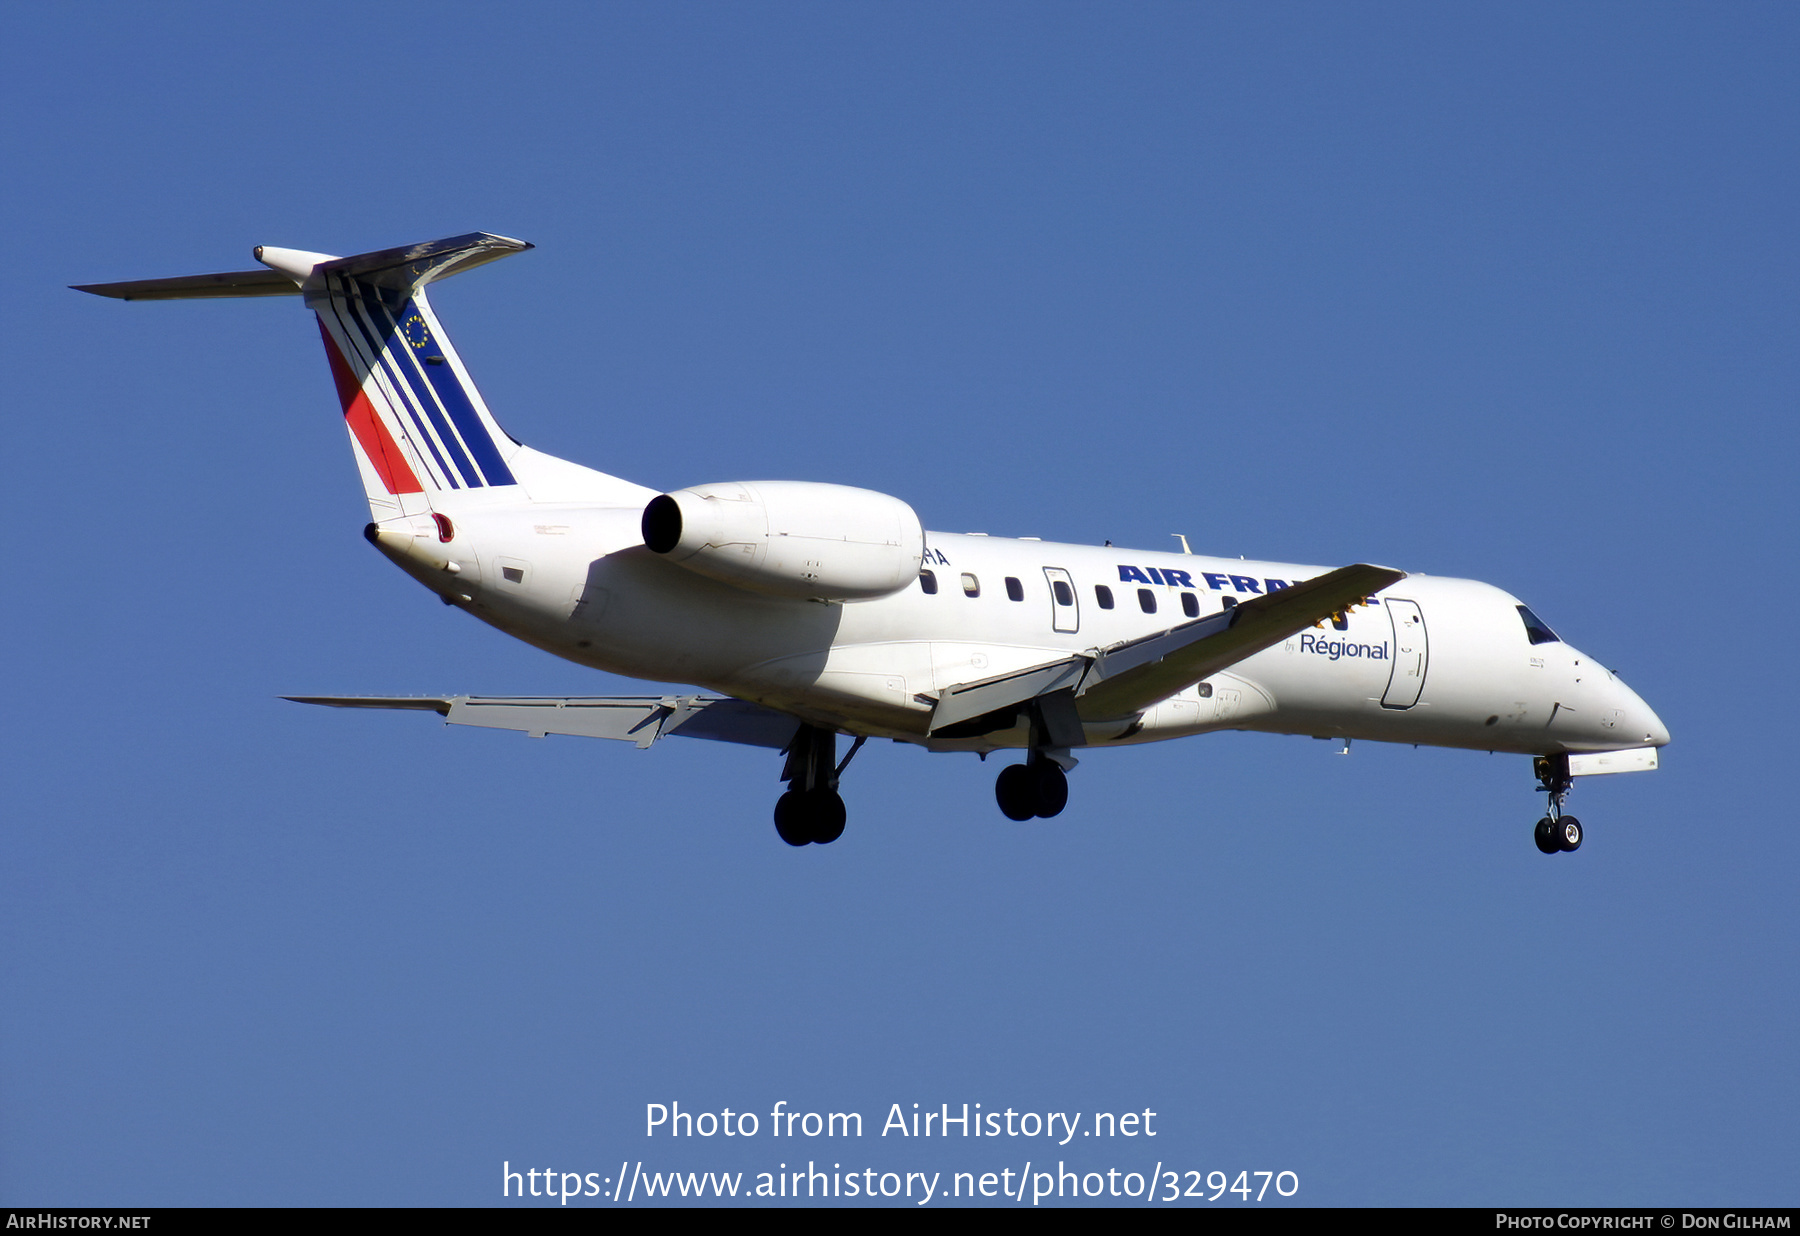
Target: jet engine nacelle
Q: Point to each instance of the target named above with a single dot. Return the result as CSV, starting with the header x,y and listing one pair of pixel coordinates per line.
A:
x,y
790,538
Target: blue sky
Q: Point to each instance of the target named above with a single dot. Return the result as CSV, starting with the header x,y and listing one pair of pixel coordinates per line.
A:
x,y
1502,291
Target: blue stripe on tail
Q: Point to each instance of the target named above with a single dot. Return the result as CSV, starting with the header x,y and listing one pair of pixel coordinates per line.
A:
x,y
403,372
360,313
396,340
417,336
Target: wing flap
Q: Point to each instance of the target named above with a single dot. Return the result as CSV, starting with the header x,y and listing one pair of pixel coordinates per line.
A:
x,y
974,699
639,720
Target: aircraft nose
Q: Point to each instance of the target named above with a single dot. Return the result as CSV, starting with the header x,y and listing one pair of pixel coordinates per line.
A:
x,y
1641,718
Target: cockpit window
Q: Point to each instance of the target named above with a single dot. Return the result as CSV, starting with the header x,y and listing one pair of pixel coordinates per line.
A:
x,y
1535,628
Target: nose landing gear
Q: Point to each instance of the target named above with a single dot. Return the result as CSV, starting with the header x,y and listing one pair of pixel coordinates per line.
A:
x,y
1556,833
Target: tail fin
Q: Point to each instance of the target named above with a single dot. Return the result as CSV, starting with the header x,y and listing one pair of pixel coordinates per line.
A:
x,y
422,435
419,425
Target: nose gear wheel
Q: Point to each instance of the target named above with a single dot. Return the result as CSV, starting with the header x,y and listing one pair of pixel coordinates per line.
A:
x,y
1545,836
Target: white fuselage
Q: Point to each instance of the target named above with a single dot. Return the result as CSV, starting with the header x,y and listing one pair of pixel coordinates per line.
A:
x,y
1445,662
833,605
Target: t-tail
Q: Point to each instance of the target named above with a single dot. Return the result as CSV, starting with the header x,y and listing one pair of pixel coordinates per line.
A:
x,y
423,437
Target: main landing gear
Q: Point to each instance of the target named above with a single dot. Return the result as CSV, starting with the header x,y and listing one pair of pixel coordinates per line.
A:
x,y
1037,788
1040,786
812,811
1556,832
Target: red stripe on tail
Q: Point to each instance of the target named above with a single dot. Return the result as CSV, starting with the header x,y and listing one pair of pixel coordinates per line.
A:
x,y
370,433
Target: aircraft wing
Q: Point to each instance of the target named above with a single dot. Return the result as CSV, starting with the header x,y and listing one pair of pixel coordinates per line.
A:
x,y
1128,677
633,718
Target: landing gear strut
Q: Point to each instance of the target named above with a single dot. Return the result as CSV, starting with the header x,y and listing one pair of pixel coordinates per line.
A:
x,y
1556,832
812,811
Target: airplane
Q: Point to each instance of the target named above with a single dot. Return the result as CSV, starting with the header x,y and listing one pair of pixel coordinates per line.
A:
x,y
804,611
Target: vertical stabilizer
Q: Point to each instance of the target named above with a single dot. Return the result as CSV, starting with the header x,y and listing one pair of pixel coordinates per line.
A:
x,y
423,437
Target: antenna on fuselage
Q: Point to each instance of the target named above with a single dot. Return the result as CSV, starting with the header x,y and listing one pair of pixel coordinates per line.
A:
x,y
1184,544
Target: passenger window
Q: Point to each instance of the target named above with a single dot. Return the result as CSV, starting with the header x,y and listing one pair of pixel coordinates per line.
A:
x,y
1190,605
1065,595
1015,591
1103,596
1340,621
1146,600
971,585
928,583
1535,629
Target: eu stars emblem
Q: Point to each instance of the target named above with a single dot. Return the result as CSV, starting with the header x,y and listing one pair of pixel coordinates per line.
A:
x,y
415,331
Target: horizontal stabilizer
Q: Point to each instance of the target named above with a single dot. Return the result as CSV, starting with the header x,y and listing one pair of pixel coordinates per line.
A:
x,y
632,718
413,266
405,269
198,287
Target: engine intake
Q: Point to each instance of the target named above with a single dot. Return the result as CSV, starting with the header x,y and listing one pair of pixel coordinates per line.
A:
x,y
794,539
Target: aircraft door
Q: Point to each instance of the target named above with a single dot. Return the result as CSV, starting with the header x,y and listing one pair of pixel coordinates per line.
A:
x,y
1411,654
1065,610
